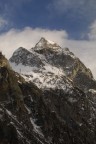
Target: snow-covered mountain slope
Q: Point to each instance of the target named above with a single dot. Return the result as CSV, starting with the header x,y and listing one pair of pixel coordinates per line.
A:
x,y
48,65
61,113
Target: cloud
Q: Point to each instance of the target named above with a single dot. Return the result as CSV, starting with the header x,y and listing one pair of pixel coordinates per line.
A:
x,y
92,31
3,23
85,50
11,7
75,8
64,5
28,37
10,10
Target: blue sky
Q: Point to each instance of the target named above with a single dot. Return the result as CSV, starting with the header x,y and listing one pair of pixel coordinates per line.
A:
x,y
71,15
70,23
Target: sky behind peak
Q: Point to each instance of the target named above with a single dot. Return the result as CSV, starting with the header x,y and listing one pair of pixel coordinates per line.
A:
x,y
71,15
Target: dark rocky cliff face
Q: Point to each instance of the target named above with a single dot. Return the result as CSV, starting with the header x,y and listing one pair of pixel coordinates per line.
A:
x,y
29,115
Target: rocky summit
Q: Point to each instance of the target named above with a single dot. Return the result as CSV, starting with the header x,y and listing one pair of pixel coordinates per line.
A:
x,y
48,66
47,96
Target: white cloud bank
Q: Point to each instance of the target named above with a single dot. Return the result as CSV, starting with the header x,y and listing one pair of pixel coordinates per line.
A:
x,y
28,37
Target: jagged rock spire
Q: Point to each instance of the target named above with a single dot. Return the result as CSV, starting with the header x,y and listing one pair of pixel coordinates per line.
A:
x,y
46,44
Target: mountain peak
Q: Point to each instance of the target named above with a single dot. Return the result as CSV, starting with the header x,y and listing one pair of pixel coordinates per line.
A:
x,y
43,43
43,40
19,49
